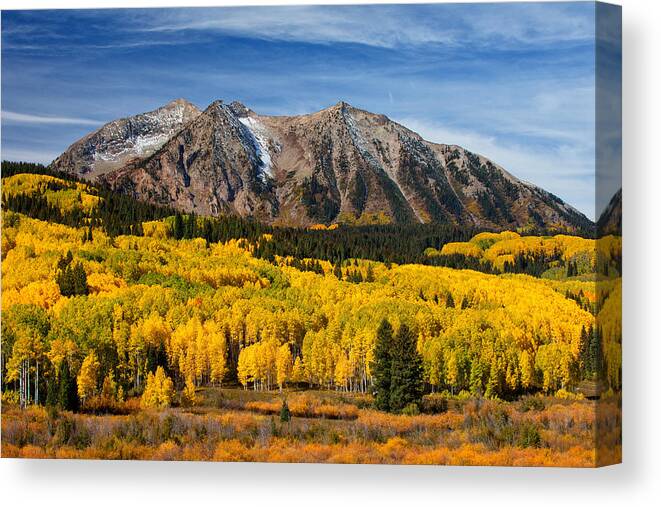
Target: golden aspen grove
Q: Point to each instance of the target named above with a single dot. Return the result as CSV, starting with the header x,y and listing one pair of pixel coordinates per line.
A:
x,y
154,342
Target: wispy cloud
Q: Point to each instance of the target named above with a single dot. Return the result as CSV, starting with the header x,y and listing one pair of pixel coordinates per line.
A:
x,y
385,26
11,116
77,48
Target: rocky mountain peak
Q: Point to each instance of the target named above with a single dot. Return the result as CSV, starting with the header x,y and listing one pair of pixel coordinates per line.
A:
x,y
341,164
120,141
180,102
240,109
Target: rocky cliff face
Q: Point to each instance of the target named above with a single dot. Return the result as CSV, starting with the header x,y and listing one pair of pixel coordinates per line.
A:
x,y
341,164
120,141
212,166
610,221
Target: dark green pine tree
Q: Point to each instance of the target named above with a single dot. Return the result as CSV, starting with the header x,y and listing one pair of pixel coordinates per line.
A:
x,y
68,392
64,281
79,280
583,353
208,232
178,227
191,226
136,229
370,274
53,391
381,367
596,355
337,271
65,261
449,300
406,385
285,413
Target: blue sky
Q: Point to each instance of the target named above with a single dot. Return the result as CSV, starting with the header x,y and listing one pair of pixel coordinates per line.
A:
x,y
514,82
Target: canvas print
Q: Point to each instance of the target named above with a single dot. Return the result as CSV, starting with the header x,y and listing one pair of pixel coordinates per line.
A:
x,y
382,234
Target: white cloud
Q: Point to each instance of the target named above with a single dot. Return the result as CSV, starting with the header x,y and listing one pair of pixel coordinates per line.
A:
x,y
13,117
387,25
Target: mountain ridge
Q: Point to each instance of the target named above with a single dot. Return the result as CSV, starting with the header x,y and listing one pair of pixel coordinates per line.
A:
x,y
339,164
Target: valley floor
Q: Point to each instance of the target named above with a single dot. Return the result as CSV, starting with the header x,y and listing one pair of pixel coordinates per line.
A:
x,y
326,427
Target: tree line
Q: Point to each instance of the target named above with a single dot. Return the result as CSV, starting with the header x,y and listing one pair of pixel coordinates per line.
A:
x,y
207,314
118,214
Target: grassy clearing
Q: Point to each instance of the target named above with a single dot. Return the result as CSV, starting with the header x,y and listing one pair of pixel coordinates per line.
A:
x,y
327,427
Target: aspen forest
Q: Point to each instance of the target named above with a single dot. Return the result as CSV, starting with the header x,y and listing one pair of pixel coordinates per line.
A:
x,y
131,331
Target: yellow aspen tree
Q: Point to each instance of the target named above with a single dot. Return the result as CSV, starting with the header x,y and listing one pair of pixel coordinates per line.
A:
x,y
527,370
159,390
452,374
188,395
217,351
342,372
246,366
109,388
88,376
298,371
283,364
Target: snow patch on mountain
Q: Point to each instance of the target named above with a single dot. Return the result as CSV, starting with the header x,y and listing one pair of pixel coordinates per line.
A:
x,y
140,135
259,137
136,147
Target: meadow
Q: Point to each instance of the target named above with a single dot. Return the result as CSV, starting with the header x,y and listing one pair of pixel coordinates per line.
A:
x,y
325,427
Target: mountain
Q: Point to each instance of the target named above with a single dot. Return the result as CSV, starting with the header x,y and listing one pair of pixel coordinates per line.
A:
x,y
119,141
341,164
610,221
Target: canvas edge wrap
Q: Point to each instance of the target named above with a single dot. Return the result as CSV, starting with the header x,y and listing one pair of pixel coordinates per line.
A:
x,y
608,197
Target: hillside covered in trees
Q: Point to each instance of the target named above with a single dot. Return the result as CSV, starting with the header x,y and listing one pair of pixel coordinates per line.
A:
x,y
107,300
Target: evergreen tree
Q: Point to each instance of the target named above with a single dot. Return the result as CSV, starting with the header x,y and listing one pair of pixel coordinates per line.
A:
x,y
178,228
381,368
191,226
79,278
583,353
449,300
406,383
53,390
596,355
285,414
370,274
68,392
72,280
208,232
65,261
